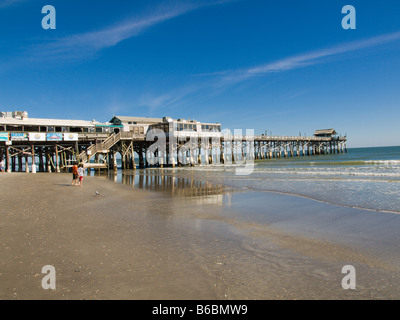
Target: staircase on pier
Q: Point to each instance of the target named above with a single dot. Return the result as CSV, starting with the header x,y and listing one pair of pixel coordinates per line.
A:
x,y
102,147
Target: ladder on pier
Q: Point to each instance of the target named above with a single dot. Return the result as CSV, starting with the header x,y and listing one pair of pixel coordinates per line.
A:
x,y
102,147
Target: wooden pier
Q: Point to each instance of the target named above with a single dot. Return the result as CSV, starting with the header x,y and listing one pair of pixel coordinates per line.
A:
x,y
174,143
97,153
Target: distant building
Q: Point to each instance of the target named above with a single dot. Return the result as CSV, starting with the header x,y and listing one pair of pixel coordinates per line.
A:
x,y
185,128
326,133
18,121
179,127
137,125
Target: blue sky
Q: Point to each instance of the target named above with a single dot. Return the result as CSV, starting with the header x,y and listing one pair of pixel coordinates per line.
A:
x,y
287,66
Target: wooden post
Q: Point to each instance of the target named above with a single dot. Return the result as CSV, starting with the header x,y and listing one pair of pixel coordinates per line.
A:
x,y
115,165
20,162
41,166
127,161
62,157
122,161
109,165
96,160
26,164
222,156
8,164
13,163
199,155
133,158
56,161
232,157
141,160
33,160
46,160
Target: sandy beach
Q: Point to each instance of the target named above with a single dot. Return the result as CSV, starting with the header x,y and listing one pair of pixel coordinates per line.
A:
x,y
131,243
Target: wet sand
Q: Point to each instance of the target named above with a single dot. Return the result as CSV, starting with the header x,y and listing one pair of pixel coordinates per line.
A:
x,y
131,243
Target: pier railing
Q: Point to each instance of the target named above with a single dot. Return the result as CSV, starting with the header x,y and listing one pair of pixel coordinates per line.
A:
x,y
281,138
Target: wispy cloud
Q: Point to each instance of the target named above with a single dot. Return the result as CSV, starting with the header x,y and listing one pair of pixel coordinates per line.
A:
x,y
168,100
89,43
206,85
304,60
219,81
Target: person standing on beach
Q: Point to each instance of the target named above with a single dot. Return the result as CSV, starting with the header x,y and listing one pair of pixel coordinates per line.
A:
x,y
75,174
81,171
2,165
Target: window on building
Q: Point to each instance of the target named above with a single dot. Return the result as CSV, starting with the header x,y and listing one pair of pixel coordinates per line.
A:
x,y
31,128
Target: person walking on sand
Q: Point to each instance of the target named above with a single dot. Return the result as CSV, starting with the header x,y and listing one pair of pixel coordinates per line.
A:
x,y
81,171
75,174
2,165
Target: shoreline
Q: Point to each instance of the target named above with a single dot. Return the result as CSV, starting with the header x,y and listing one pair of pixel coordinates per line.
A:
x,y
137,244
246,189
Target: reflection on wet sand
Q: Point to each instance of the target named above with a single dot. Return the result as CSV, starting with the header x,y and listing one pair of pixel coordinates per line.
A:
x,y
167,182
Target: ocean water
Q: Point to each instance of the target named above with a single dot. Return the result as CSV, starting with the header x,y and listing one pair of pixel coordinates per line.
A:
x,y
366,178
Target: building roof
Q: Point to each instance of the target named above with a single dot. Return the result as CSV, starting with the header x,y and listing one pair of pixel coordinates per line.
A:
x,y
146,120
47,122
195,121
324,132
